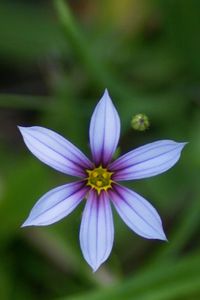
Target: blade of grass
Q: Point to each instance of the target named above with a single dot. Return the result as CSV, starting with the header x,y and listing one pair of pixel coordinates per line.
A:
x,y
141,284
188,224
176,290
61,254
103,78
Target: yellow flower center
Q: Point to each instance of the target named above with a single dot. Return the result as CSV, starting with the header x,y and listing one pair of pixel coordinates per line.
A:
x,y
99,179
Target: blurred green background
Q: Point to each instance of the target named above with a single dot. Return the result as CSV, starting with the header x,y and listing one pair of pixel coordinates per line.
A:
x,y
56,58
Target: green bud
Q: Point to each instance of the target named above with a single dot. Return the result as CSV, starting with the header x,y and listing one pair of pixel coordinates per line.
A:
x,y
140,122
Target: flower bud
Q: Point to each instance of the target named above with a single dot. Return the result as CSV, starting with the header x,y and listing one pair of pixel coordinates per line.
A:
x,y
140,122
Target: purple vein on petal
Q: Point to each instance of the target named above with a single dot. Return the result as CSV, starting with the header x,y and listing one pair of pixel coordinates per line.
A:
x,y
54,150
81,159
104,130
53,163
56,204
146,161
96,232
127,174
137,213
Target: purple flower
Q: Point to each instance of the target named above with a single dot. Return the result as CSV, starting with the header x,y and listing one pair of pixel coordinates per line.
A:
x,y
98,181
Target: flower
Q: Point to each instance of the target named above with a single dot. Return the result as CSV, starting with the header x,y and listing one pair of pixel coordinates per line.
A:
x,y
98,181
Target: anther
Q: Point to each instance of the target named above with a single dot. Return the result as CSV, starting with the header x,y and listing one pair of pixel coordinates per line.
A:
x,y
99,178
94,174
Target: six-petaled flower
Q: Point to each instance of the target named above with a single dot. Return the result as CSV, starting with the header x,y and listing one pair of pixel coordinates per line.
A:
x,y
98,181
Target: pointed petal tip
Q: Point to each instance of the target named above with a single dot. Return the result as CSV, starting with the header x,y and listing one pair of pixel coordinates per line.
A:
x,y
29,222
183,144
163,237
160,234
94,269
26,224
106,96
106,93
94,266
21,128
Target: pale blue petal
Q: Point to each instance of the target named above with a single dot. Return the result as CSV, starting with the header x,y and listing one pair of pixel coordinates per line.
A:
x,y
55,151
146,161
56,204
96,232
104,131
137,213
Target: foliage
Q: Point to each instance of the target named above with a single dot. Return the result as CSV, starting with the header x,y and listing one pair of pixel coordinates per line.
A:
x,y
57,58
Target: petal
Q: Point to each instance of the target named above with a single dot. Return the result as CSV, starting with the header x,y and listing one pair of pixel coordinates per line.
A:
x,y
96,232
147,161
104,130
56,204
137,213
55,151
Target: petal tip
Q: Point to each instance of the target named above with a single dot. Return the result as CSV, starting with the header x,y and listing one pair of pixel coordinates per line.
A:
x,y
26,224
183,144
161,235
29,222
106,96
95,267
106,93
21,128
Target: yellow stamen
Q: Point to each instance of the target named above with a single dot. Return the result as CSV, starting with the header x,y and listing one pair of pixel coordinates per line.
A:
x,y
105,175
94,174
99,179
99,183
